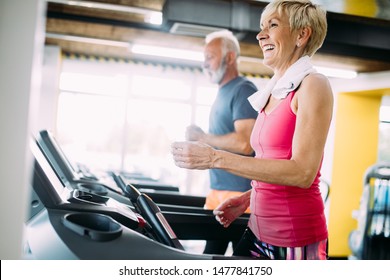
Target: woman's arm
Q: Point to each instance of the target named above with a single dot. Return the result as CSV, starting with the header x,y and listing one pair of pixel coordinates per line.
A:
x,y
313,104
232,208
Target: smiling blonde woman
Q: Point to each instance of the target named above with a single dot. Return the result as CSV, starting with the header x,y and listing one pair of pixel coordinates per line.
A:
x,y
294,113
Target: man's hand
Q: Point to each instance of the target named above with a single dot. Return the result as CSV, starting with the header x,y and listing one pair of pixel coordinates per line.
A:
x,y
194,133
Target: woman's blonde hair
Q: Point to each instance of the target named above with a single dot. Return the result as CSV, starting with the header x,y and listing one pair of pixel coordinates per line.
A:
x,y
301,13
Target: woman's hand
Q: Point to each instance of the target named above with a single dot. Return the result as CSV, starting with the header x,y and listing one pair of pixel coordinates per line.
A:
x,y
231,209
193,155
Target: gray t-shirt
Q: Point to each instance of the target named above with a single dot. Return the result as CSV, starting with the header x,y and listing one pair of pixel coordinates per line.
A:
x,y
231,104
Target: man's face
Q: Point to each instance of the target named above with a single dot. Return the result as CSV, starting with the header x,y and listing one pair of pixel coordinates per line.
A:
x,y
214,63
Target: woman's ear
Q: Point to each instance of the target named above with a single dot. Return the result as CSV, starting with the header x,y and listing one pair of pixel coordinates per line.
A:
x,y
303,36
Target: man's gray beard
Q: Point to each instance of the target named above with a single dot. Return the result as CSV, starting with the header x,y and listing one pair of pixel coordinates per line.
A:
x,y
216,76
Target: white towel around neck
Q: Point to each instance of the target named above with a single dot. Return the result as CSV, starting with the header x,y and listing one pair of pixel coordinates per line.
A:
x,y
280,88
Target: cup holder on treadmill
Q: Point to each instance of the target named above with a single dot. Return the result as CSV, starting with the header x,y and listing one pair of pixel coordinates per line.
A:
x,y
98,227
78,196
95,188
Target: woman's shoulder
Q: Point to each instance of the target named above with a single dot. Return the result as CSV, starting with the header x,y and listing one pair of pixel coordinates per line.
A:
x,y
315,89
316,82
314,78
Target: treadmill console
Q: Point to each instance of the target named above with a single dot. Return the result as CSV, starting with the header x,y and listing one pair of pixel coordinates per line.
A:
x,y
74,223
74,217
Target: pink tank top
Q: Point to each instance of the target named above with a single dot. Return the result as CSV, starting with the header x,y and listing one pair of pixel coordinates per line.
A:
x,y
283,216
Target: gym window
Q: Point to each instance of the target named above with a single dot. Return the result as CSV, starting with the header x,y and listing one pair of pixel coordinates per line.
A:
x,y
122,115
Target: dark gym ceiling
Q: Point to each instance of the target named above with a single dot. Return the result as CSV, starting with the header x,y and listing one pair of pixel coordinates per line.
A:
x,y
358,32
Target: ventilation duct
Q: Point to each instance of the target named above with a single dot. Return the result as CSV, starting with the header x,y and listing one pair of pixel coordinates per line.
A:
x,y
348,35
198,18
188,29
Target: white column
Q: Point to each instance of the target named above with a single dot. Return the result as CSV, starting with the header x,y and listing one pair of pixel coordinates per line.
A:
x,y
22,39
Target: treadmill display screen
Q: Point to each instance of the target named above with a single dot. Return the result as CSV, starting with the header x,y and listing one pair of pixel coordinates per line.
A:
x,y
56,157
55,193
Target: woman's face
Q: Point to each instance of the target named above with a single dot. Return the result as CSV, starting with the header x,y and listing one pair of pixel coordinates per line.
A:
x,y
277,42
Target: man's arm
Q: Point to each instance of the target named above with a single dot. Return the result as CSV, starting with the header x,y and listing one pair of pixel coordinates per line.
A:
x,y
236,142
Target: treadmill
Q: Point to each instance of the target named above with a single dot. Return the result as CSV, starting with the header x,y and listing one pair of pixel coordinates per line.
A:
x,y
57,157
78,224
111,185
83,179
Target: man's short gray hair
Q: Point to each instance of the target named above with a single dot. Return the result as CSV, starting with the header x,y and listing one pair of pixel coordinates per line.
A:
x,y
229,41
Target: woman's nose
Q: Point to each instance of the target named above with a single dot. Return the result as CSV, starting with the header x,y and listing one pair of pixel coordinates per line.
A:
x,y
261,35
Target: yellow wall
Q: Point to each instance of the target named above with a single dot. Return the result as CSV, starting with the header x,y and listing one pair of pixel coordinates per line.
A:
x,y
355,149
366,8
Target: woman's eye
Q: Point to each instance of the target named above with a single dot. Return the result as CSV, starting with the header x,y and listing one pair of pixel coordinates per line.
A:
x,y
268,27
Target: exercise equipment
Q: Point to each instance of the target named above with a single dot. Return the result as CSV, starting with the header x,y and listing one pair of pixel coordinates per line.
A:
x,y
371,239
114,183
79,173
75,223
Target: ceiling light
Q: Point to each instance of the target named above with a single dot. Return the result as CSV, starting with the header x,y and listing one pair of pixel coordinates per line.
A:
x,y
167,52
336,73
327,71
87,40
151,16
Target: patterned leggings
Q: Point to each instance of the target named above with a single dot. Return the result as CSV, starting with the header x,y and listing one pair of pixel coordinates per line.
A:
x,y
250,246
